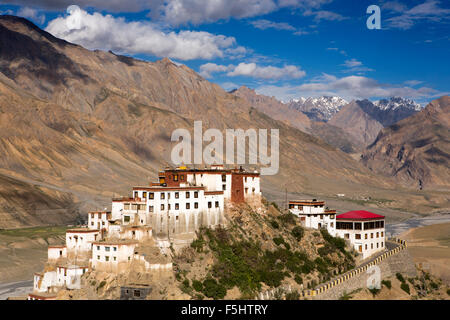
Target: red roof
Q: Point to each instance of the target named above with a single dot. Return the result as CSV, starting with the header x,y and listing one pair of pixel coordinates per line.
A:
x,y
359,215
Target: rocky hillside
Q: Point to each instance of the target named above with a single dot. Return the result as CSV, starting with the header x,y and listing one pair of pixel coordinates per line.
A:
x,y
392,110
415,150
259,248
296,118
81,126
274,108
354,120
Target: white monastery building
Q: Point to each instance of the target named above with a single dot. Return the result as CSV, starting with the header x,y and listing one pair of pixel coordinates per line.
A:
x,y
312,214
364,229
153,218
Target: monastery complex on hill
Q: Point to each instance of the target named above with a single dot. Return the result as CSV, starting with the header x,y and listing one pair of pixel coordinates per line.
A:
x,y
139,230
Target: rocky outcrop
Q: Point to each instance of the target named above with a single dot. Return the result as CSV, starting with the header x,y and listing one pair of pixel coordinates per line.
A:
x,y
415,150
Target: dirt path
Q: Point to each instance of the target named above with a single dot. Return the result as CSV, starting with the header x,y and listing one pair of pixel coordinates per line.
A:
x,y
11,289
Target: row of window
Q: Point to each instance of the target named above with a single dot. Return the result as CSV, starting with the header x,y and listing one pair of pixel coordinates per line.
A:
x,y
366,236
358,225
379,245
151,195
107,249
188,206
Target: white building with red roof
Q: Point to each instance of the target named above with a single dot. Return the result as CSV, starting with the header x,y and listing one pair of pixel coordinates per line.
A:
x,y
363,229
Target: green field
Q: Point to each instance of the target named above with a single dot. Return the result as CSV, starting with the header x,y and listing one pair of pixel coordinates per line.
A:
x,y
34,232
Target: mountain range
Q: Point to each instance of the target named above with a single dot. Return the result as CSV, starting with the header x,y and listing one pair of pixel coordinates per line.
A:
x,y
78,127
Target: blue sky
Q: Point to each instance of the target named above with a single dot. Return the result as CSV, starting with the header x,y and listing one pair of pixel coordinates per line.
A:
x,y
285,48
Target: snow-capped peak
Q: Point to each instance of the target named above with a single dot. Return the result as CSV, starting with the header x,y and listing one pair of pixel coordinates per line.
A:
x,y
320,108
394,103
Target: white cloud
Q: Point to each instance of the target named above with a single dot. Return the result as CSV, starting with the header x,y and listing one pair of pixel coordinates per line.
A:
x,y
207,69
350,87
31,14
97,31
263,24
352,63
429,11
179,12
324,15
394,6
253,70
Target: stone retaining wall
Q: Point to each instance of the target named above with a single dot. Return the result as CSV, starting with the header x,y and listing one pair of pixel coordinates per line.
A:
x,y
390,262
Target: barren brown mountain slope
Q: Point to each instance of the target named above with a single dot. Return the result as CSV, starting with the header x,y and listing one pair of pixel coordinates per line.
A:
x,y
274,108
415,150
277,110
90,124
355,121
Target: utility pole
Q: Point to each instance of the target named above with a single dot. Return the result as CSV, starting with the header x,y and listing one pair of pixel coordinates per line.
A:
x,y
285,199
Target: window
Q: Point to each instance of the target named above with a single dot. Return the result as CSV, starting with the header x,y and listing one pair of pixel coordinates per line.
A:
x,y
366,246
103,223
217,204
188,195
378,234
151,195
114,258
224,178
177,206
253,190
209,204
175,177
188,205
245,179
182,177
224,187
92,216
358,226
382,233
163,195
365,236
176,218
106,258
144,195
115,248
106,248
177,195
150,209
98,257
92,223
371,235
382,244
332,216
246,190
196,194
126,218
168,206
377,245
371,246
357,236
162,207
126,206
137,293
196,205
98,247
135,194
347,236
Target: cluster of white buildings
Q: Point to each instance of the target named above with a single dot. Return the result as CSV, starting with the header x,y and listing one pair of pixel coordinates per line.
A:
x,y
363,229
138,230
177,205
